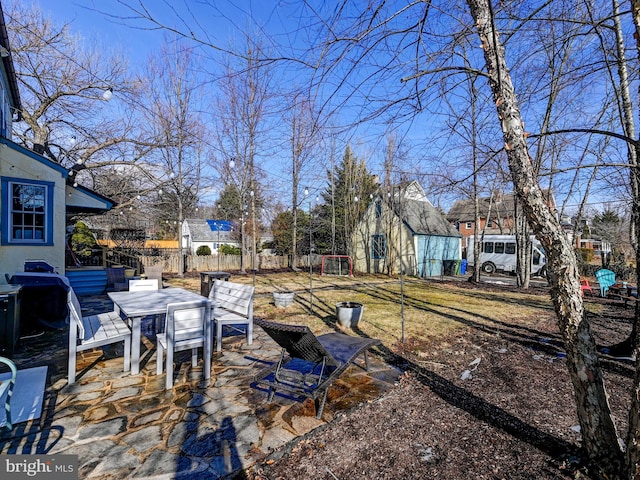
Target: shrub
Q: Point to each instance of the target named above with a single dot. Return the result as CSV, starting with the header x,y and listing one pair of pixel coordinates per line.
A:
x,y
203,250
82,240
229,250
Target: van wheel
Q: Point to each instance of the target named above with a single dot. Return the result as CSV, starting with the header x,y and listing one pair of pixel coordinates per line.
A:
x,y
488,268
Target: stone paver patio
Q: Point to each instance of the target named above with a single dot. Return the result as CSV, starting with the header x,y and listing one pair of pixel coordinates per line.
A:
x,y
128,426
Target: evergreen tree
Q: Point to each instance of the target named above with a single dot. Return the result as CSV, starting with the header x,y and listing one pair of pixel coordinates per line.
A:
x,y
608,226
281,230
229,205
344,202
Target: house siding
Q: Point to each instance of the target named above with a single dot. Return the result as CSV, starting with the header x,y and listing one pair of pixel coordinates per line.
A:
x,y
18,164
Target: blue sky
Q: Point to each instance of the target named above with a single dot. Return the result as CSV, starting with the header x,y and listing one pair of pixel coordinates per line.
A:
x,y
279,21
91,20
87,21
219,22
216,21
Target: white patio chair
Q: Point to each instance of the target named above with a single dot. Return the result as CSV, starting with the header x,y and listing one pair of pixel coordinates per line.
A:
x,y
187,326
93,331
233,306
143,284
146,284
6,390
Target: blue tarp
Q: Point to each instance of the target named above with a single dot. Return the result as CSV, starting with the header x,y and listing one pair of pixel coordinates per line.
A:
x,y
220,225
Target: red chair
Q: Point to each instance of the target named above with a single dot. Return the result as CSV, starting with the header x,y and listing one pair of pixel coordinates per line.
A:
x,y
585,287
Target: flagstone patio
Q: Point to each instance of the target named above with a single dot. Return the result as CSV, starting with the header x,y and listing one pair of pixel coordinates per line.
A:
x,y
128,426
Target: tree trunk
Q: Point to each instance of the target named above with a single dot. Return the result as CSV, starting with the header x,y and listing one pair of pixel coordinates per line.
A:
x,y
476,190
633,444
523,247
597,427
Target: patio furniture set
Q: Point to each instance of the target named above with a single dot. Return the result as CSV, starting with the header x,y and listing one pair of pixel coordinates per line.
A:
x,y
307,367
188,317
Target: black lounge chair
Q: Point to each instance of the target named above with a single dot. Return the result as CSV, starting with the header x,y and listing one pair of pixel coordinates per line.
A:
x,y
309,365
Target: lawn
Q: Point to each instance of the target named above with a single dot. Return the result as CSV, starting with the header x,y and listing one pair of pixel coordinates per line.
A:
x,y
486,394
431,309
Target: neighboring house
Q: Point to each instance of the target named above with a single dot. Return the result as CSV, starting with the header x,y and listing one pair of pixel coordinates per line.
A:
x,y
598,246
405,226
35,197
496,214
212,233
583,237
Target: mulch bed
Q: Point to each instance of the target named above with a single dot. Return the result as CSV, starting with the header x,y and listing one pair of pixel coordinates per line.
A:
x,y
492,403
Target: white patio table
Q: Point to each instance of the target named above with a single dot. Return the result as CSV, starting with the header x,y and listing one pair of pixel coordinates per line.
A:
x,y
135,305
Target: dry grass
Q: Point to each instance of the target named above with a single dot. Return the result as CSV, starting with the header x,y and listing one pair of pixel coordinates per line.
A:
x,y
431,309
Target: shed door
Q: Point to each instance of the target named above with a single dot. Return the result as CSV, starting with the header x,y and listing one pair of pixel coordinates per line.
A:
x,y
432,250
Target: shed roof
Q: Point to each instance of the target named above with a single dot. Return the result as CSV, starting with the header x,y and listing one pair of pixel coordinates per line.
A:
x,y
425,219
419,214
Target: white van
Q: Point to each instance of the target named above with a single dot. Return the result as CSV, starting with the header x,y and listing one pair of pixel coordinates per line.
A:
x,y
498,252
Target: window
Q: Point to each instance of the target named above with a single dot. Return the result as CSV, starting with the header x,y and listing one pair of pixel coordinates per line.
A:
x,y
27,213
488,247
469,226
536,257
510,248
489,224
499,248
378,208
378,246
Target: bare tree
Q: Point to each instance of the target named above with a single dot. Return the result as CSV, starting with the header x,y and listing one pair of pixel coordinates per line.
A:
x,y
173,97
240,115
63,84
597,427
391,194
304,139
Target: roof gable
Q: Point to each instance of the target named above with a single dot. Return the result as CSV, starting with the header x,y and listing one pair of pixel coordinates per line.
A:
x,y
83,200
425,219
419,214
34,156
498,206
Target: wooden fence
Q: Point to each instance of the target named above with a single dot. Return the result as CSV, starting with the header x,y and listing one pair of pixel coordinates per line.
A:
x,y
210,263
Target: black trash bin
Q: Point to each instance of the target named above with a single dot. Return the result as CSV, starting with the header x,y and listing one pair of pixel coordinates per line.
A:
x,y
44,300
448,267
207,279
